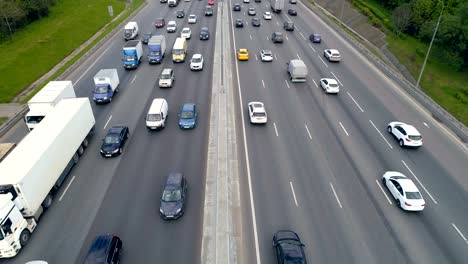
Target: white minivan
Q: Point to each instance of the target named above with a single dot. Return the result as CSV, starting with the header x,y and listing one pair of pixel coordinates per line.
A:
x,y
157,114
131,30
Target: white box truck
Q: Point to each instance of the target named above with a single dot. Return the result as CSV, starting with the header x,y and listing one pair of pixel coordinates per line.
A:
x,y
277,5
46,99
106,85
297,71
33,172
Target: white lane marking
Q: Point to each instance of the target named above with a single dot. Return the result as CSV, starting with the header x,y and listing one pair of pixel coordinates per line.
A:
x,y
460,233
286,81
294,194
246,153
250,37
288,17
286,37
315,83
134,77
256,58
336,78
308,132
277,23
352,98
389,201
344,129
336,196
276,57
426,125
298,56
404,163
268,38
89,67
311,47
66,189
110,117
322,61
276,130
263,83
372,123
302,35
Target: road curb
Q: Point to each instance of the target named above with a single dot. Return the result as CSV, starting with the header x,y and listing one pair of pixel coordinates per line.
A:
x,y
5,127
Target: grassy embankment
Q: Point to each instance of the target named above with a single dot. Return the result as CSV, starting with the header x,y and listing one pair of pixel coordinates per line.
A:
x,y
444,85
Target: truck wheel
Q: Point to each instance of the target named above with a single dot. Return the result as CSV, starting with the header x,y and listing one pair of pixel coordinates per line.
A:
x,y
80,150
85,142
24,237
117,89
110,99
76,157
47,201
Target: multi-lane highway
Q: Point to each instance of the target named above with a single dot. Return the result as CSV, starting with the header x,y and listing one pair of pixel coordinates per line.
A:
x,y
316,167
121,195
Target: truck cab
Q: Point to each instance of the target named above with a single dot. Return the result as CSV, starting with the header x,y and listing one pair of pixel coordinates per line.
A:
x,y
106,83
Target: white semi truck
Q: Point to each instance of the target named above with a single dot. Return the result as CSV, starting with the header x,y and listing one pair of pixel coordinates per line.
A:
x,y
33,172
46,99
277,5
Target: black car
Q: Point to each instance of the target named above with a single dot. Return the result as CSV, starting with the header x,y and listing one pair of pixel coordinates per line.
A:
x,y
146,37
315,38
105,249
258,1
239,22
292,12
173,197
256,22
114,141
251,11
237,7
277,37
204,33
180,14
208,11
288,26
288,247
159,22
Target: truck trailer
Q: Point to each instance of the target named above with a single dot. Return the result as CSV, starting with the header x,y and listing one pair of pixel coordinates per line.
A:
x,y
132,54
106,85
46,99
156,49
277,5
33,172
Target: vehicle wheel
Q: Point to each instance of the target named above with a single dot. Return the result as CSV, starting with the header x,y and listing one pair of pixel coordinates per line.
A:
x,y
47,201
76,158
120,150
85,143
117,89
80,150
24,237
389,129
110,99
402,144
384,182
398,203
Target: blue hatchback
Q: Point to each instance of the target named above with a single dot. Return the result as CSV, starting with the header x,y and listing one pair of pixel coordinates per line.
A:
x,y
188,116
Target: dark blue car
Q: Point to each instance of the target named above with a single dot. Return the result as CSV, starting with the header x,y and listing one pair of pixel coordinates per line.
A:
x,y
188,116
315,38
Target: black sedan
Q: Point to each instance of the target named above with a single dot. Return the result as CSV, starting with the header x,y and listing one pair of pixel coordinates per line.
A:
x,y
315,38
256,22
288,248
237,7
204,33
114,141
173,197
288,26
239,23
292,12
146,37
180,14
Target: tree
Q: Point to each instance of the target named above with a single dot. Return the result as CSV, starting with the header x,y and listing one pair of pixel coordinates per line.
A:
x,y
401,17
422,12
10,13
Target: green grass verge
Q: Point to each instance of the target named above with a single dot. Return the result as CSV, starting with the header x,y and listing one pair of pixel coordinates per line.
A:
x,y
3,120
109,28
37,48
377,14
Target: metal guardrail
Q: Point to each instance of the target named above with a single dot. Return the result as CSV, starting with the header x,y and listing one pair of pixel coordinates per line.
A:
x,y
440,114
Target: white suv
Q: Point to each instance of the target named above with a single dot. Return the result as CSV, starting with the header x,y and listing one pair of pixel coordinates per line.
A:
x,y
196,63
407,135
192,19
186,33
167,78
332,55
171,26
257,113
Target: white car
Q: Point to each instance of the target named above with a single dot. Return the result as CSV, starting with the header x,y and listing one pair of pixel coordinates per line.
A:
x,y
266,55
330,85
267,15
186,33
167,78
407,135
246,1
257,113
332,55
171,26
404,191
196,63
192,19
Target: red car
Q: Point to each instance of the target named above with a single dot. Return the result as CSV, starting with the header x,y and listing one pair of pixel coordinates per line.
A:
x,y
211,2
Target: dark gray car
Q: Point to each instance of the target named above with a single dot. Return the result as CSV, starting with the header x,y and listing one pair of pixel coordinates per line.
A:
x,y
204,33
288,26
146,37
174,196
277,37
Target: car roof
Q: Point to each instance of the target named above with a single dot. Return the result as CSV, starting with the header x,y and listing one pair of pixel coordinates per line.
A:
x,y
174,179
192,15
204,29
278,33
257,106
116,129
411,130
407,185
287,234
185,28
197,55
188,107
332,81
333,50
99,248
242,50
266,51
166,71
171,22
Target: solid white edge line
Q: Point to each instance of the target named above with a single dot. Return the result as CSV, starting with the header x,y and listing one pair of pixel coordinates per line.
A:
x,y
425,124
378,184
256,58
246,153
311,47
286,37
277,23
66,189
276,130
315,83
460,233
372,123
286,81
352,98
344,129
336,78
276,57
308,132
294,194
133,79
302,35
90,66
263,84
110,117
250,37
298,56
336,196
322,60
404,163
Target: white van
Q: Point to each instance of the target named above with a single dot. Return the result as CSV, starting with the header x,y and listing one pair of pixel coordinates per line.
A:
x,y
157,114
131,30
173,3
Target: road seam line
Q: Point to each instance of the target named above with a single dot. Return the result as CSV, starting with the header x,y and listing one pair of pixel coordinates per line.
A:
x,y
352,98
110,117
378,184
344,129
336,78
308,132
66,189
276,130
336,196
404,163
372,123
460,233
294,194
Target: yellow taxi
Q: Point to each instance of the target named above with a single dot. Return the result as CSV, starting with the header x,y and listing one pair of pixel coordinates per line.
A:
x,y
243,54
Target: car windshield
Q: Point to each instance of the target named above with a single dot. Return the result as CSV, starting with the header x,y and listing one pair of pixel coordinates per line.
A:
x,y
196,59
413,195
128,31
415,137
153,117
147,35
159,21
186,115
165,76
192,16
171,195
101,89
267,53
259,114
186,31
129,58
34,119
111,139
